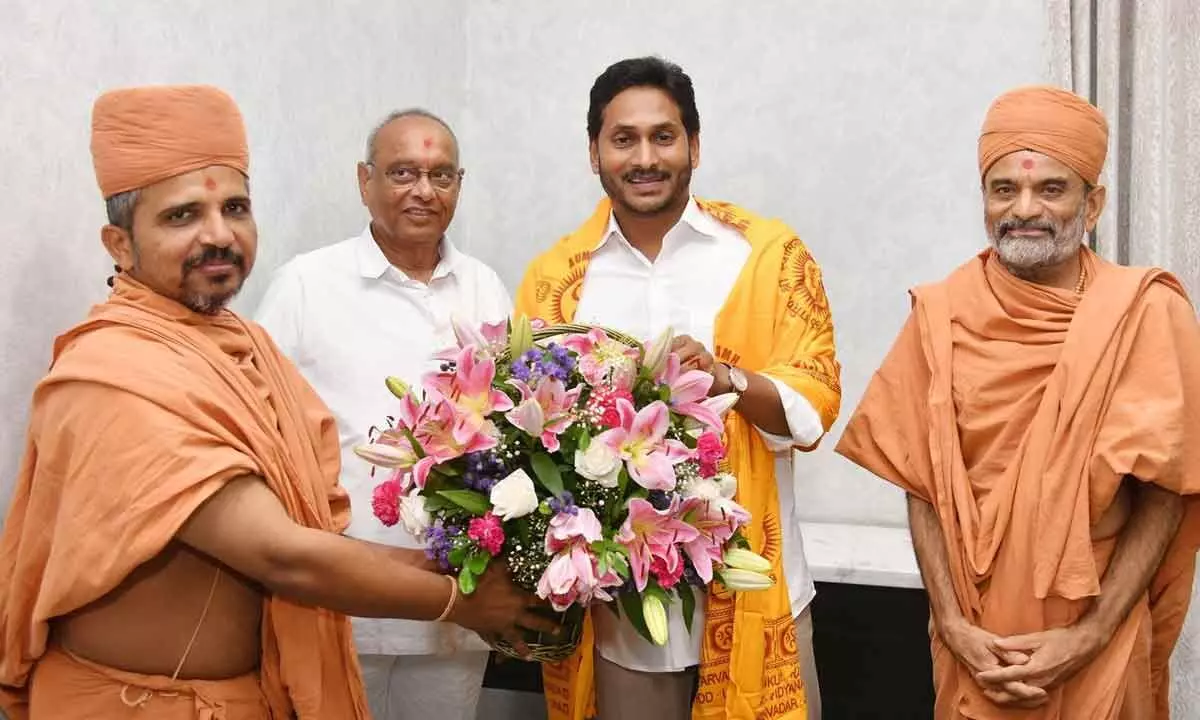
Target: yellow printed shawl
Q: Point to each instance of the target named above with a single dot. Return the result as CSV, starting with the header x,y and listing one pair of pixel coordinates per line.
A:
x,y
777,321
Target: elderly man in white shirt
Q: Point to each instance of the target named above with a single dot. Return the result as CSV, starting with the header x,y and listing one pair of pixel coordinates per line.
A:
x,y
379,304
664,260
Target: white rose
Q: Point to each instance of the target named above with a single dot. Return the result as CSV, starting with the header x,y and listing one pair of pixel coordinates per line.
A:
x,y
726,485
413,515
704,488
717,491
514,497
598,463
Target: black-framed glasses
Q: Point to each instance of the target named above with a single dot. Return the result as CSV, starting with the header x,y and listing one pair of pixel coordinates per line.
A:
x,y
406,176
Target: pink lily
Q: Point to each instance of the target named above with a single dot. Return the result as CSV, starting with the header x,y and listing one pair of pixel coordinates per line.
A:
x,y
573,575
648,533
715,520
544,412
566,529
442,436
689,394
469,389
602,360
392,448
640,440
488,339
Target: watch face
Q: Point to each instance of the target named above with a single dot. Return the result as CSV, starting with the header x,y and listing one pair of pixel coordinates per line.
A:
x,y
737,378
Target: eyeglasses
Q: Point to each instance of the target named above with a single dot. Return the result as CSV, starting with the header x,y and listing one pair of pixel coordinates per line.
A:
x,y
441,178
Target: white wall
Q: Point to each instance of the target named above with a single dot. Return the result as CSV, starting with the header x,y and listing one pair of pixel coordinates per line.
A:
x,y
856,122
310,79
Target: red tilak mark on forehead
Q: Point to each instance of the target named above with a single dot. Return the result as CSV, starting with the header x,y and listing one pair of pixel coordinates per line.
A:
x,y
428,143
1027,164
210,184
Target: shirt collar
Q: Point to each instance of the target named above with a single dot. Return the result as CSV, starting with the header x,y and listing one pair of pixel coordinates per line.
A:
x,y
373,264
692,216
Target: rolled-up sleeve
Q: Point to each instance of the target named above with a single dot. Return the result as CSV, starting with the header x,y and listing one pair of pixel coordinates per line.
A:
x,y
804,422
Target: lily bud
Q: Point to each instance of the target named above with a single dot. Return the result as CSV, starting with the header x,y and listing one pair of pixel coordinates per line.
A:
x,y
746,560
388,456
738,579
657,351
655,616
467,335
397,387
521,339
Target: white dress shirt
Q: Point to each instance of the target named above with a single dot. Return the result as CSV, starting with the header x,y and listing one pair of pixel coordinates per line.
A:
x,y
348,319
685,288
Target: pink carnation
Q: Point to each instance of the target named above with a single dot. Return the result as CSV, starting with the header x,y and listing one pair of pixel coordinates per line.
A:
x,y
602,404
385,502
487,532
667,573
710,451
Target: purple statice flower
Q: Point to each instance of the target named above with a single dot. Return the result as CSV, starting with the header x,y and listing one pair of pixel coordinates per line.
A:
x,y
553,362
484,469
562,361
441,542
520,370
563,504
659,500
546,367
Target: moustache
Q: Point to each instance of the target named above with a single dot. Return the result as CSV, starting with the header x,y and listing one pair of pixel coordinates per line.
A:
x,y
212,253
644,176
1005,226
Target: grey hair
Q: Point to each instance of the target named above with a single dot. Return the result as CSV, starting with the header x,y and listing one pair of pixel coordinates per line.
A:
x,y
399,115
120,209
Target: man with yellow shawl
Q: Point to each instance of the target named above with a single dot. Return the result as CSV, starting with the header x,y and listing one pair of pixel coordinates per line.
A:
x,y
1041,407
747,297
172,550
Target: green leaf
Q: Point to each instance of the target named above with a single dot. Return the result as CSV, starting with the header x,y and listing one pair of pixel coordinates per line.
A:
x,y
457,556
448,470
584,440
632,603
688,600
478,562
623,479
653,588
433,503
469,500
412,439
466,582
547,473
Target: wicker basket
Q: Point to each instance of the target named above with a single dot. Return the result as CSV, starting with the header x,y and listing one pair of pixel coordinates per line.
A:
x,y
546,647
552,331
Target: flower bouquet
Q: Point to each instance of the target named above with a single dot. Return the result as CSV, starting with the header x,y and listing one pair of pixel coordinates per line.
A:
x,y
589,464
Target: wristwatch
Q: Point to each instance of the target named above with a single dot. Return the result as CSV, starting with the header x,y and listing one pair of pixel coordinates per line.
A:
x,y
737,379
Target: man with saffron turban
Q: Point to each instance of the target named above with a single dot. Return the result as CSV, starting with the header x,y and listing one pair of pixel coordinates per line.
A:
x,y
747,299
172,549
1041,408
